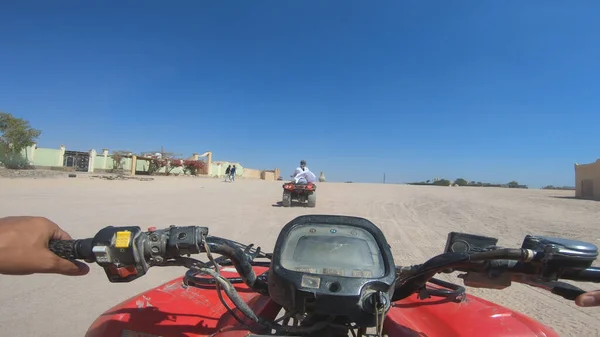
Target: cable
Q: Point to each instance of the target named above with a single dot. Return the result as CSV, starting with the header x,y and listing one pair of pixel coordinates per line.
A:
x,y
229,290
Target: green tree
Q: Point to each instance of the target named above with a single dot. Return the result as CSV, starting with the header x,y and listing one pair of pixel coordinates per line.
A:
x,y
513,184
461,182
16,134
442,182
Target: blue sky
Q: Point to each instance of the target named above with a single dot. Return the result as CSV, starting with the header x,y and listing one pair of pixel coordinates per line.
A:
x,y
485,90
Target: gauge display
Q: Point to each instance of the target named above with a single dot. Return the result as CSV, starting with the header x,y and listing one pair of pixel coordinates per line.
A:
x,y
325,249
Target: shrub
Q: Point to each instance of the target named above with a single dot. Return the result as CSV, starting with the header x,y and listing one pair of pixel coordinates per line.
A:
x,y
14,161
442,182
461,182
193,167
118,158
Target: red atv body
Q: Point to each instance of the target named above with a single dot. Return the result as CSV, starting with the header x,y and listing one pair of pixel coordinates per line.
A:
x,y
174,310
302,193
332,275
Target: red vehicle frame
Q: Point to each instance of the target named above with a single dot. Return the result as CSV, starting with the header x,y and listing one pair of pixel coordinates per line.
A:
x,y
174,310
302,193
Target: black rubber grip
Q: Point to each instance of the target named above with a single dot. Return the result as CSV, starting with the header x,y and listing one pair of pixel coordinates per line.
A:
x,y
72,249
570,293
63,248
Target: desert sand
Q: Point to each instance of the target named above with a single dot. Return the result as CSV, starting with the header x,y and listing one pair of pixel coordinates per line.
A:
x,y
415,220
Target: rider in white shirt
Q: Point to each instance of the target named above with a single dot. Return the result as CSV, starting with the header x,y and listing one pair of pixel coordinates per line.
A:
x,y
300,168
302,175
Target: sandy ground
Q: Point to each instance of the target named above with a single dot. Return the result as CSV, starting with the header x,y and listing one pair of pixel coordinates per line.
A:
x,y
415,220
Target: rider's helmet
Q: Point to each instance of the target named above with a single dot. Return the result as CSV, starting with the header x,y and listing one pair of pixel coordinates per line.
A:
x,y
302,163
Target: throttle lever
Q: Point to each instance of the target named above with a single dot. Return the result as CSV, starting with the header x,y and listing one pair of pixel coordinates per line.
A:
x,y
565,290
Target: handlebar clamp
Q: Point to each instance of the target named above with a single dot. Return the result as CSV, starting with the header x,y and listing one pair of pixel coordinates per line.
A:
x,y
117,251
126,253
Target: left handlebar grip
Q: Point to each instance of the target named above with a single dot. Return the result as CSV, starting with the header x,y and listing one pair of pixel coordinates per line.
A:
x,y
71,249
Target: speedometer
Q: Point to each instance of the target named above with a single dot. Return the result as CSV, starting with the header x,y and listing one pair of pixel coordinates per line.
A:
x,y
320,248
332,265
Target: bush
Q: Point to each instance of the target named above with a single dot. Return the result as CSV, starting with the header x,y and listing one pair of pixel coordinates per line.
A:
x,y
461,182
118,162
193,167
442,182
14,161
155,165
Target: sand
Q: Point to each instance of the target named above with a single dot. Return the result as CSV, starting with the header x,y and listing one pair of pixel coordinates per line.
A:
x,y
415,219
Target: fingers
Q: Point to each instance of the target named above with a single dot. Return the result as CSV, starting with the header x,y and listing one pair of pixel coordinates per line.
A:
x,y
60,234
589,299
62,266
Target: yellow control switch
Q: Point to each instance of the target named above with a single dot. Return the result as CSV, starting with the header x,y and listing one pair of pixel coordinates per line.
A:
x,y
123,238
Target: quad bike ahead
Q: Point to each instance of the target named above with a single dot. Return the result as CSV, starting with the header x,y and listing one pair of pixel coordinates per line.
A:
x,y
303,193
328,275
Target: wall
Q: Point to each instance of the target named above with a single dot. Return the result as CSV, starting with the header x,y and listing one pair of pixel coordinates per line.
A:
x,y
252,173
267,175
47,157
219,167
587,171
102,162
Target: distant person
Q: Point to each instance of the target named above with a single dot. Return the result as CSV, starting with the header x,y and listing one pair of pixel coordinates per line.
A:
x,y
305,177
300,168
302,175
227,172
233,173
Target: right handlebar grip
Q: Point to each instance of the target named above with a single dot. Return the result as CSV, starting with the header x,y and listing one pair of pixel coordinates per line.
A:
x,y
71,249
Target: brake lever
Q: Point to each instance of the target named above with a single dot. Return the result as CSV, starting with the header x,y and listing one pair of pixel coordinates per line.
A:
x,y
186,262
252,255
563,289
567,291
248,251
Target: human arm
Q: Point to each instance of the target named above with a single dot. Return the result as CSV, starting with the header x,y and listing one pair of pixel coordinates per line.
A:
x,y
24,248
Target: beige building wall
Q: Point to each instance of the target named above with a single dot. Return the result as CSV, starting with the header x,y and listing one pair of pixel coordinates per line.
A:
x,y
267,175
251,173
587,180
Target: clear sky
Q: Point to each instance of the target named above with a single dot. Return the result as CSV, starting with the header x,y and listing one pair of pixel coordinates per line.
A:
x,y
485,90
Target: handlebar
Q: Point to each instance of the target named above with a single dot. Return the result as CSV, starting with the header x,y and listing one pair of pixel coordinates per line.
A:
x,y
126,253
496,269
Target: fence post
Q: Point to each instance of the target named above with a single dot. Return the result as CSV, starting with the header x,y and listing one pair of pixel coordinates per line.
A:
x,y
30,153
276,173
133,164
92,160
61,156
209,163
105,154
